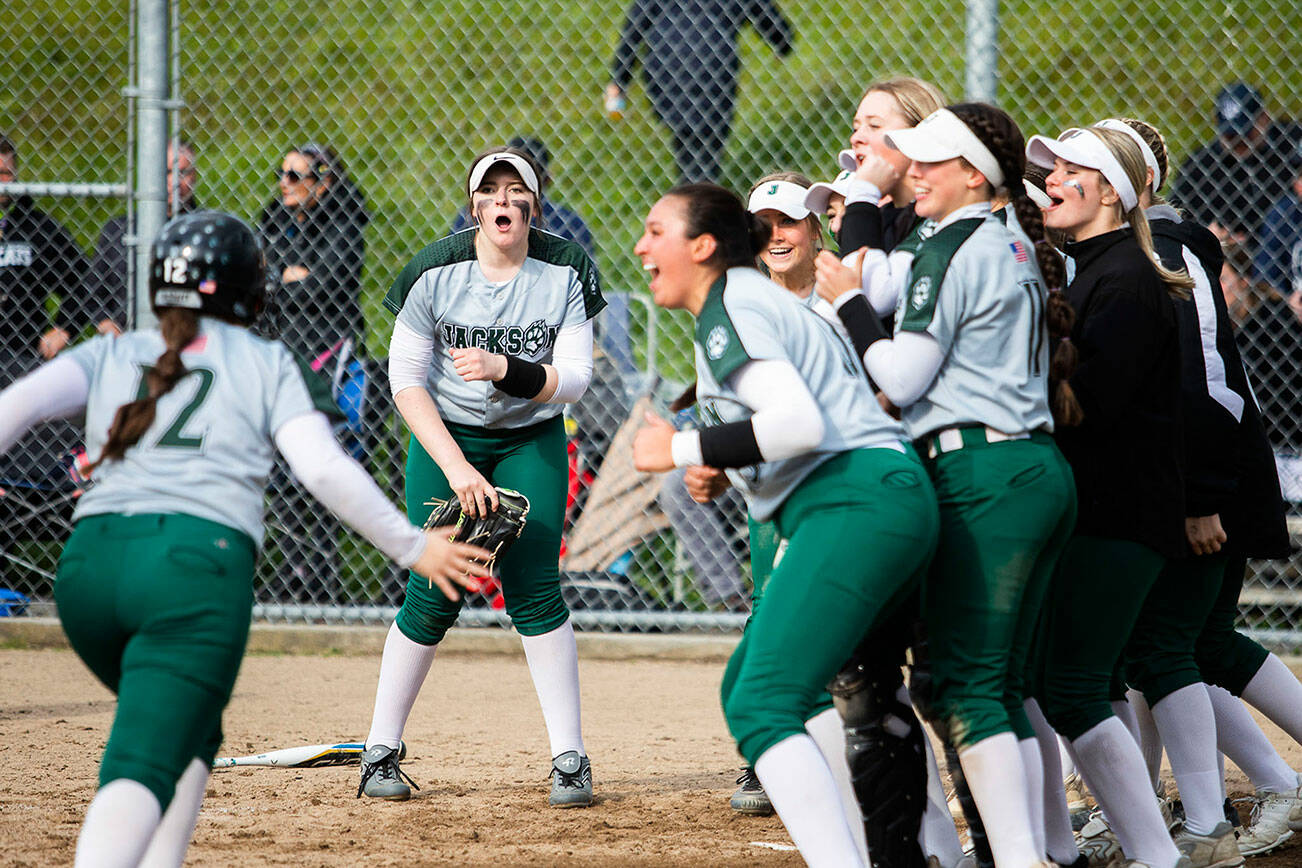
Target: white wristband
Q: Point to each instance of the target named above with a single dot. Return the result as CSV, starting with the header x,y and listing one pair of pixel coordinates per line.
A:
x,y
686,448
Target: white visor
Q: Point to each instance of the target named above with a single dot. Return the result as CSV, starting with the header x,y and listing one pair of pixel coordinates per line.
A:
x,y
847,160
521,166
819,194
1038,196
1150,159
781,196
1084,148
942,136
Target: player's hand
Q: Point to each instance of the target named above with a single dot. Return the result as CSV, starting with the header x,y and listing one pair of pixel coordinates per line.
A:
x,y
53,342
878,172
475,493
446,563
294,273
108,327
705,483
833,279
653,445
476,364
1205,534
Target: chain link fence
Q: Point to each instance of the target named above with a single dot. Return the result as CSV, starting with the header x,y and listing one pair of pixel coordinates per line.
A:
x,y
360,118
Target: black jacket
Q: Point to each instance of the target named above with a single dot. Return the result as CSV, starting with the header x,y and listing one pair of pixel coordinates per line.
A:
x,y
38,258
1127,454
691,63
879,227
314,314
1229,465
1215,186
1270,340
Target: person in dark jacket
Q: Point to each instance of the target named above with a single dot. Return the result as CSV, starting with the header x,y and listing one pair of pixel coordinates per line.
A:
x,y
1279,251
312,234
690,66
1229,183
106,281
1126,456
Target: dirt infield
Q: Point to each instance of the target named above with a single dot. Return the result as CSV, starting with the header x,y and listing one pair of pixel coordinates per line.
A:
x,y
663,768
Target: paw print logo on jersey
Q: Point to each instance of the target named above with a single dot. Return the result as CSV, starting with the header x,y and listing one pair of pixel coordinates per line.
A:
x,y
716,343
535,336
921,293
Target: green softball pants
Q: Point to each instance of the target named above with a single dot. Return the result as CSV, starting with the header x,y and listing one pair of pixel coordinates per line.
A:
x,y
531,460
1094,604
1007,510
1226,657
860,530
158,607
1160,653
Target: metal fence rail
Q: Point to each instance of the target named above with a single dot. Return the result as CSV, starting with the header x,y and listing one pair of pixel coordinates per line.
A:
x,y
385,103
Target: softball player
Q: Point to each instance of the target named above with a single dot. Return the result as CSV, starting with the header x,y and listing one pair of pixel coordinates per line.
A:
x,y
155,584
493,335
1126,457
1233,483
802,437
969,365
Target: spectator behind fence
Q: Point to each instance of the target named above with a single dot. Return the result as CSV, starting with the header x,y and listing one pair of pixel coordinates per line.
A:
x,y
1229,183
556,219
106,283
1270,339
38,260
312,235
1279,250
690,67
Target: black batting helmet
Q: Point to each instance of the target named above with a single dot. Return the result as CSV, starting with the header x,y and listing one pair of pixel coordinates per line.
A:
x,y
209,262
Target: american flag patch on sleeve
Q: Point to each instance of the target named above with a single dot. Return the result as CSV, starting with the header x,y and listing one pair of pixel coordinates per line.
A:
x,y
1019,251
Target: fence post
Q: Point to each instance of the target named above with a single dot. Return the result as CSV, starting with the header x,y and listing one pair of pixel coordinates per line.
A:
x,y
981,79
151,143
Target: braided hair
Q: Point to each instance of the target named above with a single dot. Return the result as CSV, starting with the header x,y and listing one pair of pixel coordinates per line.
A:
x,y
1001,135
179,326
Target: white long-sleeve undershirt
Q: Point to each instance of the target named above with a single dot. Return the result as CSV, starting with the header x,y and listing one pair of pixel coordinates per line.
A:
x,y
411,354
786,419
905,366
55,390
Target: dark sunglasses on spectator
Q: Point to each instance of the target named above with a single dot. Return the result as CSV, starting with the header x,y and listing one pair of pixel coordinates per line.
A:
x,y
292,176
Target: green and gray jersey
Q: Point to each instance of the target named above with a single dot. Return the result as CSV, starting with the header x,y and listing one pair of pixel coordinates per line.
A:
x,y
443,295
975,287
210,447
748,317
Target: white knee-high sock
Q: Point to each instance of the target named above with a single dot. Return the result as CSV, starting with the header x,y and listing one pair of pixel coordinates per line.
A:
x,y
828,732
1033,768
1240,739
1150,740
1184,718
172,837
1276,693
939,834
119,823
1108,755
554,665
1122,709
800,785
1059,841
993,768
402,672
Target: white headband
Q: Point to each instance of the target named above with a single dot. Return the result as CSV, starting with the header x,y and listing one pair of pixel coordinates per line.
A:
x,y
1084,148
1150,159
781,196
942,136
518,163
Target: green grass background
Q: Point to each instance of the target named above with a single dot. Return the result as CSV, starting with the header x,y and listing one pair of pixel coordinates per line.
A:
x,y
407,91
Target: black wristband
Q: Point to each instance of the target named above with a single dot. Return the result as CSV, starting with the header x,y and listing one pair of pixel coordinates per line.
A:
x,y
861,323
522,379
730,445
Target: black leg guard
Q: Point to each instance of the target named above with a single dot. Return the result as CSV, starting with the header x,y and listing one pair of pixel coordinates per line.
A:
x,y
920,693
884,748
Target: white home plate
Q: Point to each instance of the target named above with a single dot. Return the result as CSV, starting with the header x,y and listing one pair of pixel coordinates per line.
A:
x,y
786,848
